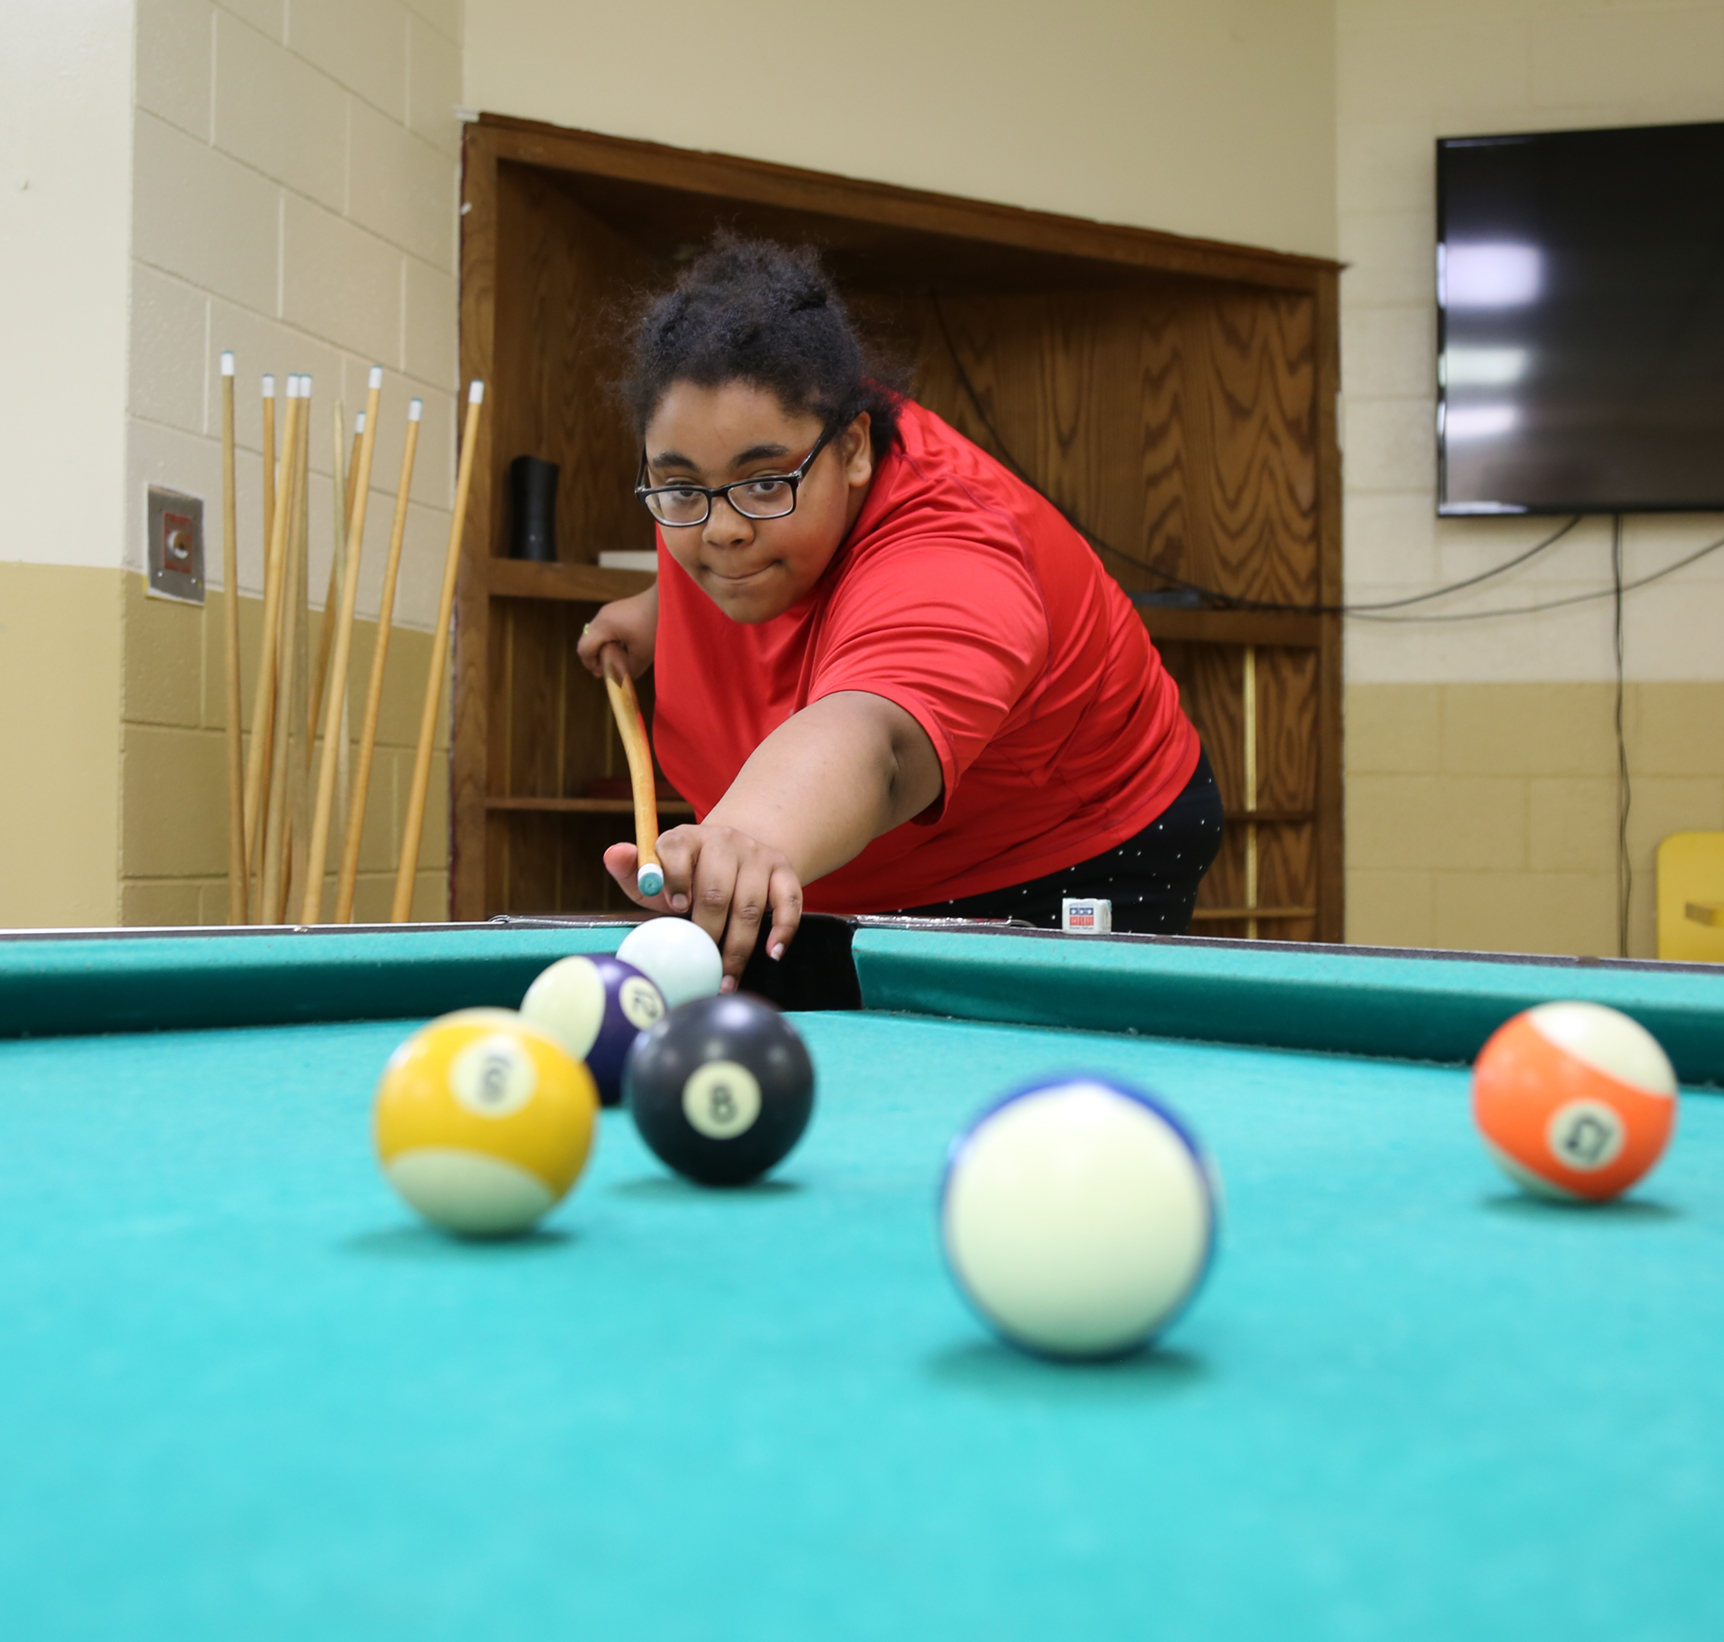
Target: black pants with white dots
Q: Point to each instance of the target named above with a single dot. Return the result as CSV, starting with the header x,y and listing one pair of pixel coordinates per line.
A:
x,y
1151,879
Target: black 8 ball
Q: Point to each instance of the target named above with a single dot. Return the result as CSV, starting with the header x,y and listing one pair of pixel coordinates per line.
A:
x,y
721,1088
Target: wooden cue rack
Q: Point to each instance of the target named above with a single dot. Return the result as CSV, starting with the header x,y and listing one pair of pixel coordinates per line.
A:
x,y
1177,396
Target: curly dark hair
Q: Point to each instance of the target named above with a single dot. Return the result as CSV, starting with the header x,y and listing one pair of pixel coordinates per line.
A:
x,y
752,310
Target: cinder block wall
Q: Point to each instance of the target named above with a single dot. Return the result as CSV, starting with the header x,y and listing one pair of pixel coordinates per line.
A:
x,y
173,753
294,194
1484,815
1481,756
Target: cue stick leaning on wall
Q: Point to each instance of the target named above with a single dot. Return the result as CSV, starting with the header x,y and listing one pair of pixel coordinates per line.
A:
x,y
298,832
276,820
408,866
349,875
263,701
268,465
311,906
342,475
236,862
626,710
271,470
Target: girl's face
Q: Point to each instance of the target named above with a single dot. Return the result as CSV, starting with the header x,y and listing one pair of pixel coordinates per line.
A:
x,y
755,569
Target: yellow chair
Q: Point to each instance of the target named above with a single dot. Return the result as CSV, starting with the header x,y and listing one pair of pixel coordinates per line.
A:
x,y
1691,897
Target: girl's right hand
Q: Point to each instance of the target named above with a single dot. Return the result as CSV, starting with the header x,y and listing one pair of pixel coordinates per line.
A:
x,y
631,624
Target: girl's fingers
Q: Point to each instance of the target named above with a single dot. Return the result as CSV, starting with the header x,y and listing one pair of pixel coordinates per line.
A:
x,y
712,884
786,895
622,862
678,853
748,905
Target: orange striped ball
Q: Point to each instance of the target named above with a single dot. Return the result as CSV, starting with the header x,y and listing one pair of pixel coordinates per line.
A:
x,y
1574,1100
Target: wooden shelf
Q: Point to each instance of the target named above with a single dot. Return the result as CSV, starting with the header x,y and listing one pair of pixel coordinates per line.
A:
x,y
583,583
1216,914
1276,628
1219,363
582,806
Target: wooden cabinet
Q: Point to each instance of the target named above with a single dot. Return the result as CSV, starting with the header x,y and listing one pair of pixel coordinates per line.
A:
x,y
1177,398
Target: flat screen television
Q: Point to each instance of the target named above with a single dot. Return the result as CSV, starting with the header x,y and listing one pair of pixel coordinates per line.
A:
x,y
1580,316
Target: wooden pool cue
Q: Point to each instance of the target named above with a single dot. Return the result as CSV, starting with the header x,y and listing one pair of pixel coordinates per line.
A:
x,y
342,474
344,746
332,594
268,465
312,901
352,465
298,833
626,710
236,862
408,866
275,819
349,875
263,701
252,830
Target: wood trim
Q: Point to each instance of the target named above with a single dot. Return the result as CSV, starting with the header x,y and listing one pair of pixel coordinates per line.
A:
x,y
469,732
1213,915
762,182
1331,764
1282,628
1268,818
583,583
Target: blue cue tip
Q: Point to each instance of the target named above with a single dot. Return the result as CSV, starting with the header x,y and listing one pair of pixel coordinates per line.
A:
x,y
651,879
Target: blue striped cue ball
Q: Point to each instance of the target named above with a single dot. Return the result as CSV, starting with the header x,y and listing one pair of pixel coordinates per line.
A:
x,y
1079,1216
595,1007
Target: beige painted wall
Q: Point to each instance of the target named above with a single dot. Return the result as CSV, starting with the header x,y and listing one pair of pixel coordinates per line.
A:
x,y
65,138
65,145
1205,117
59,745
1481,759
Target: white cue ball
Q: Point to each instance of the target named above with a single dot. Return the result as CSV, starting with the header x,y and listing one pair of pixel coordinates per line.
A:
x,y
679,957
1079,1216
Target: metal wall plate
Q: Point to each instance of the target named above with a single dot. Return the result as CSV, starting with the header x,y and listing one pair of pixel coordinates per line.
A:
x,y
174,535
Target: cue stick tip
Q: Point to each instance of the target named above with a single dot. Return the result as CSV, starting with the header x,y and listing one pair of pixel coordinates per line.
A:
x,y
293,385
359,423
475,393
227,362
415,409
651,879
375,380
269,385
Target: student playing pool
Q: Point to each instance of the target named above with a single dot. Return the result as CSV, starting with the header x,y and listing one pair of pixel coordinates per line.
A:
x,y
889,675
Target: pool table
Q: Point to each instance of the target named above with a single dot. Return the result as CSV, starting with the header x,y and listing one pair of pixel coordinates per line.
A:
x,y
245,1395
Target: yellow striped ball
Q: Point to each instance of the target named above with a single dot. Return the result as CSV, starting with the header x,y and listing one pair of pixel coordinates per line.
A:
x,y
484,1121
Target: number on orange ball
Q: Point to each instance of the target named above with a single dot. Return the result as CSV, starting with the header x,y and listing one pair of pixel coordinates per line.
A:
x,y
483,1122
1574,1100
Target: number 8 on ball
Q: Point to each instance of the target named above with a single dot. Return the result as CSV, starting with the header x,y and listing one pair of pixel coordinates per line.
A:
x,y
721,1088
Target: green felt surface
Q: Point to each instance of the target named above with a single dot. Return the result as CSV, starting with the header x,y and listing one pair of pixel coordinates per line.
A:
x,y
124,983
1422,1006
244,1395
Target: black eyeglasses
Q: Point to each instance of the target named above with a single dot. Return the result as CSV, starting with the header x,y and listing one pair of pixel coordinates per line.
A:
x,y
765,496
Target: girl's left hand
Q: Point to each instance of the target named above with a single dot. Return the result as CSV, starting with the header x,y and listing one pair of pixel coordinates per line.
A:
x,y
731,881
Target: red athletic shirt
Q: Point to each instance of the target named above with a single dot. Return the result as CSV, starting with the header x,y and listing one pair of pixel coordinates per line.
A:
x,y
964,597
